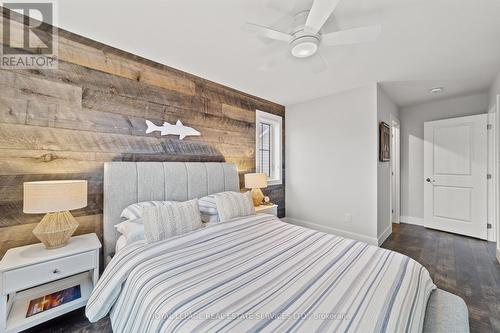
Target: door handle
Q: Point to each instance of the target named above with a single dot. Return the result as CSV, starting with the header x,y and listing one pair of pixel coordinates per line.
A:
x,y
430,180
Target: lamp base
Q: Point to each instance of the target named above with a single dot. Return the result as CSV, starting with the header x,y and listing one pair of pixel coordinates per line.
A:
x,y
257,196
55,229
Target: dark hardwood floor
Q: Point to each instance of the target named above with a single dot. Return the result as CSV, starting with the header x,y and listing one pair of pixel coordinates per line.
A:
x,y
461,265
464,266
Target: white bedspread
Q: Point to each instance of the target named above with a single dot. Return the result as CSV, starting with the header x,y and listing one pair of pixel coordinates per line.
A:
x,y
261,274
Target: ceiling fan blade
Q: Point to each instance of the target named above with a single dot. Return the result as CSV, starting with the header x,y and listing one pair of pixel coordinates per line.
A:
x,y
268,32
317,63
274,60
320,12
283,23
352,36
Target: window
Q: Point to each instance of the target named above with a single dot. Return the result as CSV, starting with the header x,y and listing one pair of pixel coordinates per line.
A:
x,y
268,150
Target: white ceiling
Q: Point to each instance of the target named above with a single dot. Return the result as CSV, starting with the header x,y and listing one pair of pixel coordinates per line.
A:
x,y
424,43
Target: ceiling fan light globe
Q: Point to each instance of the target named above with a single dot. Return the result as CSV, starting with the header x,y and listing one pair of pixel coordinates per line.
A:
x,y
304,47
304,50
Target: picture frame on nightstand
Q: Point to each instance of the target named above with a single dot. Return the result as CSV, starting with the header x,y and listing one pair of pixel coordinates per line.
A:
x,y
53,300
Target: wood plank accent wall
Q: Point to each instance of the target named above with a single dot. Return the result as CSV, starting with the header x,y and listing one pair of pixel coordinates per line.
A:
x,y
65,123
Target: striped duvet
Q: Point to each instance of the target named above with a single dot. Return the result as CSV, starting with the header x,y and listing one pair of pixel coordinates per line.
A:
x,y
260,274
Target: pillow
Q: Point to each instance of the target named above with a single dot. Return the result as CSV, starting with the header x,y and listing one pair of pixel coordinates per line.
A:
x,y
231,205
165,221
207,205
208,208
120,243
210,218
132,230
134,211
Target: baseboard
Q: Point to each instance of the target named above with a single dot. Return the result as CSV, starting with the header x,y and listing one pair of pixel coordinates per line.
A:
x,y
330,230
498,254
387,232
412,220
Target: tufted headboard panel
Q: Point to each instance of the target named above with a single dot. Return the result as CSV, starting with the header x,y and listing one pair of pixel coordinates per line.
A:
x,y
126,183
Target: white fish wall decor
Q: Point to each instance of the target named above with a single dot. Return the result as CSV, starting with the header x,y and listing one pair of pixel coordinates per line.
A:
x,y
169,129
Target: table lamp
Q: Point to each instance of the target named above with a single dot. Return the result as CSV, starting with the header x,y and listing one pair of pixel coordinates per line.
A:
x,y
56,199
256,181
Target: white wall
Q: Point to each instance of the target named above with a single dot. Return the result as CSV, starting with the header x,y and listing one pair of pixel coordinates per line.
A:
x,y
494,91
331,151
385,109
412,148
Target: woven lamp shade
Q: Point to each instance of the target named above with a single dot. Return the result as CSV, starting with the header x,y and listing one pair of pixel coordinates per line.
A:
x,y
56,198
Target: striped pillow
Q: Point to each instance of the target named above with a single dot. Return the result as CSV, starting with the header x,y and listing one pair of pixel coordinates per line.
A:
x,y
165,221
134,211
210,218
208,207
231,205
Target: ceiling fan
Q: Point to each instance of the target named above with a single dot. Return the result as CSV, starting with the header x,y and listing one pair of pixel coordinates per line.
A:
x,y
306,35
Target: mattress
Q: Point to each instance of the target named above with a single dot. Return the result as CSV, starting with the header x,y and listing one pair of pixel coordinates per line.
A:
x,y
260,274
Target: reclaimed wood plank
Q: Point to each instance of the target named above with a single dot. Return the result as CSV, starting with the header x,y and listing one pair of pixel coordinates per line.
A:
x,y
238,113
12,185
23,162
86,56
211,113
88,78
32,85
12,212
46,162
44,112
43,138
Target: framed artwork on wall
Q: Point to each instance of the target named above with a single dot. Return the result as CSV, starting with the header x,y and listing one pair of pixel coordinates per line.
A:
x,y
384,150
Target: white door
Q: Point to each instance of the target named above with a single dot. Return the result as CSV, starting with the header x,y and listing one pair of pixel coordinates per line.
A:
x,y
455,163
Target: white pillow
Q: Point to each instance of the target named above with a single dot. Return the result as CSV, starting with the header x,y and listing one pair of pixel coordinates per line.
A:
x,y
165,221
208,207
231,205
134,211
132,230
120,243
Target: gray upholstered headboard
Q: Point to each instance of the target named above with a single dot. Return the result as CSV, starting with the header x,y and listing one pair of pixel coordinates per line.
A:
x,y
126,183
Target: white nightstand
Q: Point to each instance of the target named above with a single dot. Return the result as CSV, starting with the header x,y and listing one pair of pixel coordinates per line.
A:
x,y
267,209
30,272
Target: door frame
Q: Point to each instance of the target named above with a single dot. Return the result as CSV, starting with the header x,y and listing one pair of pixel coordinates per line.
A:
x,y
497,170
395,170
493,171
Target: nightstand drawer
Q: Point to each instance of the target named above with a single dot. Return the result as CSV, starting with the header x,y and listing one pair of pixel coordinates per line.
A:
x,y
30,276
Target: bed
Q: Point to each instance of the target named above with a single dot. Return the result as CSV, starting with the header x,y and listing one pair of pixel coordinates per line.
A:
x,y
254,273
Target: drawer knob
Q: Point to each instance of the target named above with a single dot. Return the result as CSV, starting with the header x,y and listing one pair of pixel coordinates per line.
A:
x,y
56,271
